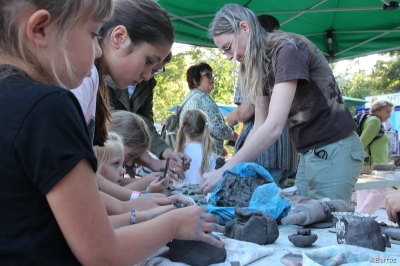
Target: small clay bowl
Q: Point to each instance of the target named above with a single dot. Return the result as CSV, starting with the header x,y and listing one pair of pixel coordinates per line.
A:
x,y
302,241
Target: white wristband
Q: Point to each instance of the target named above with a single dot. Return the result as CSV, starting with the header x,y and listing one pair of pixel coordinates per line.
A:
x,y
135,194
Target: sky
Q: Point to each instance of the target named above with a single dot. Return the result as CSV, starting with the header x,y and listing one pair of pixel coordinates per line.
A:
x,y
362,63
365,63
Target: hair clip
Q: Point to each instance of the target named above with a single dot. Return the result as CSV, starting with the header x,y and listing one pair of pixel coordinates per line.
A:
x,y
206,124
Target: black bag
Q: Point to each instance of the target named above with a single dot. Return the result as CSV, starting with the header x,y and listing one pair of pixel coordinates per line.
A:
x,y
360,118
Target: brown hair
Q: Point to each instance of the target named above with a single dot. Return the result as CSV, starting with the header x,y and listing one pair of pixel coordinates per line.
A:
x,y
193,76
131,127
146,22
269,23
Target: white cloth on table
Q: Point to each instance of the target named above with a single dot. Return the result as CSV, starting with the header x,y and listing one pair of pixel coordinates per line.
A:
x,y
348,255
241,251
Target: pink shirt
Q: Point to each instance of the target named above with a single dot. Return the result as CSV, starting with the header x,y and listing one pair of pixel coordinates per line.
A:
x,y
86,95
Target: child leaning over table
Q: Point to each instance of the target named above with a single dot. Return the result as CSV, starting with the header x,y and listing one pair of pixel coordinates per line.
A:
x,y
110,160
194,140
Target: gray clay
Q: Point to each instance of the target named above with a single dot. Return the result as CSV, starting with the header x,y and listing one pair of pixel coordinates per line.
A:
x,y
304,232
321,225
180,204
237,191
196,253
302,241
192,191
392,232
315,212
291,259
366,233
252,226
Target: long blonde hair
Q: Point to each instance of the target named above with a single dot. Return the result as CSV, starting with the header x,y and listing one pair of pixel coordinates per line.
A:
x,y
132,128
104,153
195,123
260,52
64,15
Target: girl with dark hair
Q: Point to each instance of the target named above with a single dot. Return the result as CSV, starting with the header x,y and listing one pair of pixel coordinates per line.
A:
x,y
135,41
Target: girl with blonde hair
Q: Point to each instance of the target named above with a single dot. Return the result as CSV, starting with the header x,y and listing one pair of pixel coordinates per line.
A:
x,y
50,205
112,157
288,79
194,140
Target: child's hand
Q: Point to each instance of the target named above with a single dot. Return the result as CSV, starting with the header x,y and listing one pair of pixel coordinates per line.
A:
x,y
181,199
154,212
158,185
193,223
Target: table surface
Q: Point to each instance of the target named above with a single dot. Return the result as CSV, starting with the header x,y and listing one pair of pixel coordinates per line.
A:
x,y
283,246
379,180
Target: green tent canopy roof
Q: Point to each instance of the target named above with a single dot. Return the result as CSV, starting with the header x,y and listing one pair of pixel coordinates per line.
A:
x,y
353,101
353,27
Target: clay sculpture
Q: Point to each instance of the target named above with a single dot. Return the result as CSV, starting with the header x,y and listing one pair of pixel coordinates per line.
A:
x,y
252,226
236,191
392,232
314,212
303,238
367,234
196,253
190,190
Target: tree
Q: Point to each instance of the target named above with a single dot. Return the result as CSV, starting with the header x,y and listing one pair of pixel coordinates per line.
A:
x,y
383,79
172,86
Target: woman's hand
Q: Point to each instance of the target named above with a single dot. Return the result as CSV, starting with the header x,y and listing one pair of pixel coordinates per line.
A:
x,y
158,185
392,205
193,222
210,180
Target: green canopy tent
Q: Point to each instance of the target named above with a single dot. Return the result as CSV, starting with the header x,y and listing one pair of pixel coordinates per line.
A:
x,y
353,102
342,29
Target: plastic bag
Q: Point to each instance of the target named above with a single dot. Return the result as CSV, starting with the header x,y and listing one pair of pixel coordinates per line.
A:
x,y
265,198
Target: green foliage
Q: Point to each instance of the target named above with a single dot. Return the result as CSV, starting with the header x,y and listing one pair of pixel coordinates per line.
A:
x,y
384,79
172,86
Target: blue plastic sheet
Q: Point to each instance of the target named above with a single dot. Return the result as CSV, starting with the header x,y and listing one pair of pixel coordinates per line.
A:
x,y
264,198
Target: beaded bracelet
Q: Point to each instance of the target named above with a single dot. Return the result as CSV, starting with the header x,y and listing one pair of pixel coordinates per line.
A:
x,y
133,216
